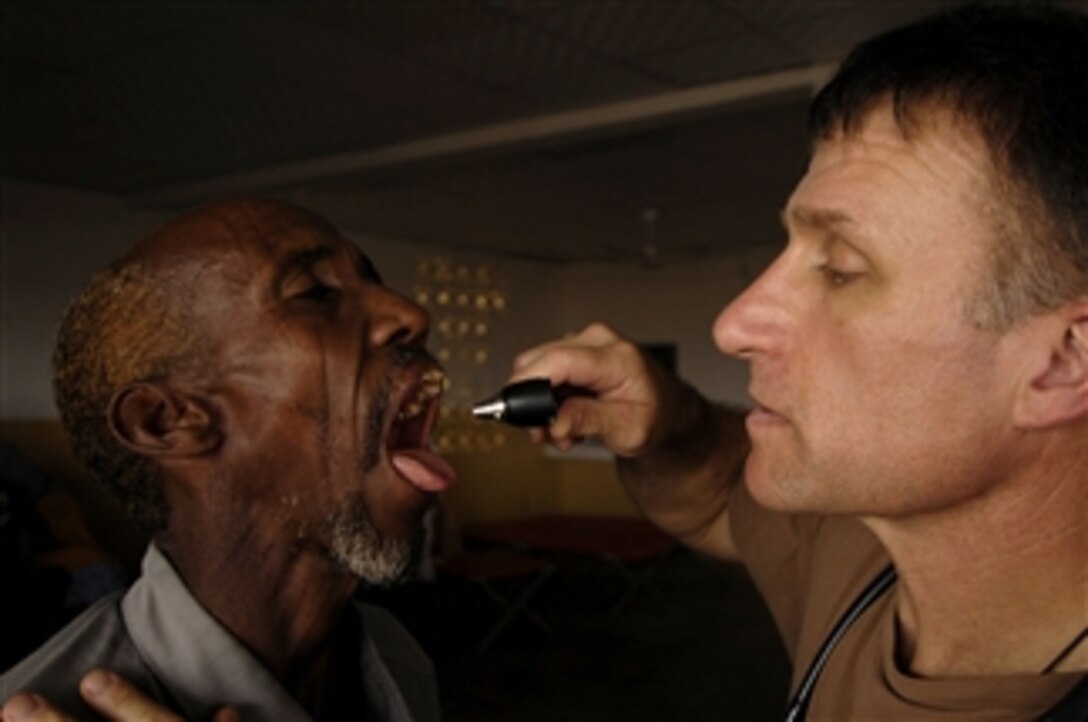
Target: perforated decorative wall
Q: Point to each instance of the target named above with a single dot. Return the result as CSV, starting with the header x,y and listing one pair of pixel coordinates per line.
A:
x,y
468,303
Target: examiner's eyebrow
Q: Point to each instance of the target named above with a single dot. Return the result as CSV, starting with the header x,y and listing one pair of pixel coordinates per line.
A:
x,y
818,218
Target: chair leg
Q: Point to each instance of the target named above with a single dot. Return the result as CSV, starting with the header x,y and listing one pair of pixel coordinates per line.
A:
x,y
639,581
512,609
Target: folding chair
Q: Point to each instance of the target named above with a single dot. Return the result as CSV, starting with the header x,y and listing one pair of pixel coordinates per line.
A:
x,y
484,569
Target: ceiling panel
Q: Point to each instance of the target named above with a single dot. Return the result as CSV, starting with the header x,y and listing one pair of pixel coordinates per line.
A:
x,y
351,107
616,31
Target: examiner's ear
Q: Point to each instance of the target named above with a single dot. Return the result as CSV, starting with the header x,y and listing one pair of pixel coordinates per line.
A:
x,y
1058,393
155,419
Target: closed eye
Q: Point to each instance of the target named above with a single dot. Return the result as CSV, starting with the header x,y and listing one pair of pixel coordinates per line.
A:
x,y
318,293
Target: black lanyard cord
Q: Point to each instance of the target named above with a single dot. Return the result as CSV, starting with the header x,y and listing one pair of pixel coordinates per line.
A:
x,y
799,706
1073,708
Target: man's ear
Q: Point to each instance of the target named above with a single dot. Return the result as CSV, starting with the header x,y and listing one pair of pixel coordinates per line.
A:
x,y
156,419
1058,390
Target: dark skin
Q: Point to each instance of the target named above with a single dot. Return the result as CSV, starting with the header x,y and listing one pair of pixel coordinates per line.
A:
x,y
282,426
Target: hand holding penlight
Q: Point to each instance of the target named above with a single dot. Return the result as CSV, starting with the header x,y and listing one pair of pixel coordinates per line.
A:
x,y
533,402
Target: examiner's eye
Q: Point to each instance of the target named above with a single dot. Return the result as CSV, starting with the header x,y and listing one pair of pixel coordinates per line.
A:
x,y
836,277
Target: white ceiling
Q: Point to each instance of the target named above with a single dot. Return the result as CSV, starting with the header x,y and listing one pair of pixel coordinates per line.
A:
x,y
539,129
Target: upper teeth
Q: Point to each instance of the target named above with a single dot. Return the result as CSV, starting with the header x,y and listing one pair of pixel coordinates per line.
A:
x,y
433,383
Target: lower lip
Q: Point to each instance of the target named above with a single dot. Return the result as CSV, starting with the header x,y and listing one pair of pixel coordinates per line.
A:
x,y
760,417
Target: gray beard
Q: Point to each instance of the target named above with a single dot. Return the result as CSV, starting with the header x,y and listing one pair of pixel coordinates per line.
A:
x,y
356,545
360,549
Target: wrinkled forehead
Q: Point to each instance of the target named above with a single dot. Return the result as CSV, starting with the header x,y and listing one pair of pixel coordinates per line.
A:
x,y
244,241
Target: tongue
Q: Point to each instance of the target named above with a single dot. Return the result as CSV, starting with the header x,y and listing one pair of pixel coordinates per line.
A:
x,y
424,470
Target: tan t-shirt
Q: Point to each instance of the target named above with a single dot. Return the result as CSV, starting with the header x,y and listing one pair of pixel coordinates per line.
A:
x,y
809,570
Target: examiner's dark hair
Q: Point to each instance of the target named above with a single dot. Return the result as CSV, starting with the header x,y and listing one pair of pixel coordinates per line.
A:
x,y
1019,75
122,328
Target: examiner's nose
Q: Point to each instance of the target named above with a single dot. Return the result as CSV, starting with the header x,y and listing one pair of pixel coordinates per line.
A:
x,y
395,319
757,320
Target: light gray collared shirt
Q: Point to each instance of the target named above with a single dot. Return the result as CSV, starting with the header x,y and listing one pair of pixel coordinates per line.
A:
x,y
160,638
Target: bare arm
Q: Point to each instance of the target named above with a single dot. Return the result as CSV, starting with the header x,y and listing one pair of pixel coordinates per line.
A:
x,y
683,483
678,454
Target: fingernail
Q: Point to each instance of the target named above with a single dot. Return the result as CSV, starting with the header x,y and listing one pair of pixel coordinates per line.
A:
x,y
97,681
21,706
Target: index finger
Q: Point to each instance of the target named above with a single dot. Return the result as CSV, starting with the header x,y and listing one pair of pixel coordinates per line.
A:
x,y
593,335
118,700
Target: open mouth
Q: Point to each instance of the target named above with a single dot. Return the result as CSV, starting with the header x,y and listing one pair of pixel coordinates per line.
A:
x,y
415,419
409,439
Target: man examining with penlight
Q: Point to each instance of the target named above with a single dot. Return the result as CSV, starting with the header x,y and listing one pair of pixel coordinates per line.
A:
x,y
913,506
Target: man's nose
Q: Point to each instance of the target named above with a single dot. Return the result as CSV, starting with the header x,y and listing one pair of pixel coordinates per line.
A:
x,y
395,319
757,321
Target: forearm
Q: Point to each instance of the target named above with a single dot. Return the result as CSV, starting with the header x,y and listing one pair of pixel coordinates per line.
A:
x,y
683,483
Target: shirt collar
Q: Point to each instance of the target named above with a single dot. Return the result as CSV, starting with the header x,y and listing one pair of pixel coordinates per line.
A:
x,y
201,665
